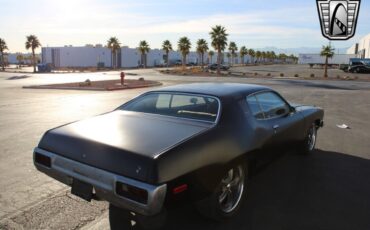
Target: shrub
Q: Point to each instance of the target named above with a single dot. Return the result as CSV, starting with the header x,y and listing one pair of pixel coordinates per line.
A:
x,y
141,79
255,74
312,75
311,66
296,75
268,75
87,82
281,74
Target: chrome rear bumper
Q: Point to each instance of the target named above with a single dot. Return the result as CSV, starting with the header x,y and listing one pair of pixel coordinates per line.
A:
x,y
104,183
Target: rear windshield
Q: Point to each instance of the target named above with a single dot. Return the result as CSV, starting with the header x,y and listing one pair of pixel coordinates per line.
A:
x,y
189,106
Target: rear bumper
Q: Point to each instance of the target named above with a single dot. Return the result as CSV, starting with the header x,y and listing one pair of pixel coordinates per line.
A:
x,y
104,183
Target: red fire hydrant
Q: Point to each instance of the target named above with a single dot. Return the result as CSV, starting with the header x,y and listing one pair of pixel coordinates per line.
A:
x,y
122,78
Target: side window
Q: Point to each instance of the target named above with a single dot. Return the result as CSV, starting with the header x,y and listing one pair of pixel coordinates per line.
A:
x,y
255,107
146,104
163,101
186,100
272,105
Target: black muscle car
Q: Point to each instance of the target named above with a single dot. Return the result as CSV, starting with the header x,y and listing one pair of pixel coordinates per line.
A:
x,y
193,142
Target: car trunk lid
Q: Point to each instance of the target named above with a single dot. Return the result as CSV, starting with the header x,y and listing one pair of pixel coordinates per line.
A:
x,y
123,142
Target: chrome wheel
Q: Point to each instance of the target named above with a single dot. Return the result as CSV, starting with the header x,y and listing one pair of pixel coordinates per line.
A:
x,y
232,188
311,139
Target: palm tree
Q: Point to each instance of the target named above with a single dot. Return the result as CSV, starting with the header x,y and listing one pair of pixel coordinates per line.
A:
x,y
294,58
219,42
252,53
210,56
327,52
263,55
33,43
167,47
114,45
3,47
20,60
202,47
283,57
232,48
144,49
273,56
184,46
243,51
268,56
258,55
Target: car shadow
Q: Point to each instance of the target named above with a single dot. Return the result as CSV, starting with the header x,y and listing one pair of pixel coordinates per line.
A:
x,y
324,190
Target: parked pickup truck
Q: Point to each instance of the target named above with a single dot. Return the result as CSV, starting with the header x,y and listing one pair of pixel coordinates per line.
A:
x,y
358,65
192,142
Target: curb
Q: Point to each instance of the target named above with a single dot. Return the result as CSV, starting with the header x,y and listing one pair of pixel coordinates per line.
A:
x,y
100,223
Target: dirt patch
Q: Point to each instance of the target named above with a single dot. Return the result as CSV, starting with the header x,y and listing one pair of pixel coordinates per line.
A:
x,y
99,85
247,71
192,71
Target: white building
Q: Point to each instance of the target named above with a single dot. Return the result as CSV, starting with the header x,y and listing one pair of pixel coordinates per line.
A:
x,y
90,56
69,56
362,48
317,59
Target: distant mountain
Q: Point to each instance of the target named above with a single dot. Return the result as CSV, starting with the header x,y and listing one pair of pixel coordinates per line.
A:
x,y
300,50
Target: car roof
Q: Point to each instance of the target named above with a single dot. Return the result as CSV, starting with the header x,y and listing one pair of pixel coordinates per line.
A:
x,y
221,90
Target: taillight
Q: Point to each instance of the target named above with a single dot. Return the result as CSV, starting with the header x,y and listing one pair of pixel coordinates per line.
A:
x,y
180,189
43,160
131,192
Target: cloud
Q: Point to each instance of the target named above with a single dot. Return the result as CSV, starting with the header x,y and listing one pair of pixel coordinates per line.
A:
x,y
258,24
79,22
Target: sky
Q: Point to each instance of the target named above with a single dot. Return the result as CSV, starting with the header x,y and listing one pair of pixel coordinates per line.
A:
x,y
254,24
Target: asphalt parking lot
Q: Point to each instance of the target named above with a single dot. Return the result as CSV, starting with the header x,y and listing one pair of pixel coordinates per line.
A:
x,y
326,190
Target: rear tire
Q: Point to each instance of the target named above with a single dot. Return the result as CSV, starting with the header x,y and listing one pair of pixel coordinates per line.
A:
x,y
226,200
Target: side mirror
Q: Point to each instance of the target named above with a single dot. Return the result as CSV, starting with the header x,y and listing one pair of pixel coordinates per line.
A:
x,y
292,109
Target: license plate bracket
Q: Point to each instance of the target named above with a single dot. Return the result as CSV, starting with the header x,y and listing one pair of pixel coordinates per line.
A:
x,y
82,189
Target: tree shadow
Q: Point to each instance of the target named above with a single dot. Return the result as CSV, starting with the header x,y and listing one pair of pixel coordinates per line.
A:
x,y
18,77
320,85
324,190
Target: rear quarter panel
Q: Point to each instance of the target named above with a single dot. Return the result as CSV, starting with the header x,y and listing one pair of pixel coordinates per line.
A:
x,y
311,115
203,160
